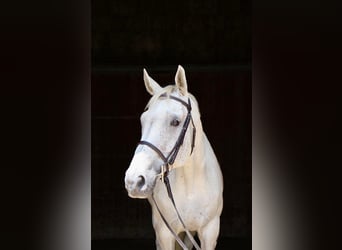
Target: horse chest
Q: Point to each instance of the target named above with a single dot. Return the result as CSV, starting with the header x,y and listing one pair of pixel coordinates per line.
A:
x,y
195,207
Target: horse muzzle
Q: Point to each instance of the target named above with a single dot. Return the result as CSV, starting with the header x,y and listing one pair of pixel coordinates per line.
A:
x,y
137,187
140,177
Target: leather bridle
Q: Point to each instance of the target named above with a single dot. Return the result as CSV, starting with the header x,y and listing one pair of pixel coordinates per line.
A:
x,y
167,165
170,159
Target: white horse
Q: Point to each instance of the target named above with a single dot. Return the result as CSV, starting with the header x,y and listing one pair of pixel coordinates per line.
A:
x,y
195,176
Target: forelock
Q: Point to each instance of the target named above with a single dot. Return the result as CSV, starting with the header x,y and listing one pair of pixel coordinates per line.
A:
x,y
168,90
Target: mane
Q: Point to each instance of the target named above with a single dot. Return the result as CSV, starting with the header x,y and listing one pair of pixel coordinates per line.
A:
x,y
168,90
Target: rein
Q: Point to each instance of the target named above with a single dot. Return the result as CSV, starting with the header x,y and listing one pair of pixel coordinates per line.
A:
x,y
168,165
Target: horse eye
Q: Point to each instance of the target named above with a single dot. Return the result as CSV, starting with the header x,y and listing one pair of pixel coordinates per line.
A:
x,y
175,122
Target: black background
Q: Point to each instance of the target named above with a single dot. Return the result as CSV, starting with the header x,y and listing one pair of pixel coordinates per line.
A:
x,y
296,75
212,41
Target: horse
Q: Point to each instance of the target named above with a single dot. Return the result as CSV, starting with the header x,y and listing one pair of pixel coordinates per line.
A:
x,y
175,150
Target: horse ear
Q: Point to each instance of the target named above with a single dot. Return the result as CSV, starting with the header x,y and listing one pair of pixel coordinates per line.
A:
x,y
180,80
151,85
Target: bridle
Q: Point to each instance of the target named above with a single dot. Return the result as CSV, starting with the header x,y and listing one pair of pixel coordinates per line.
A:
x,y
167,165
170,159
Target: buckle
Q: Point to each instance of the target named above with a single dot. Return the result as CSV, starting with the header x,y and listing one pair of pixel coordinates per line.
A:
x,y
165,168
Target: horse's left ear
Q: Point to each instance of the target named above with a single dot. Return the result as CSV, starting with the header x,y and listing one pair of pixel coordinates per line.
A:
x,y
151,85
180,80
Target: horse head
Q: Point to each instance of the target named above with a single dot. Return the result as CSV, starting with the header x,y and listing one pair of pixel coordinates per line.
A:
x,y
168,113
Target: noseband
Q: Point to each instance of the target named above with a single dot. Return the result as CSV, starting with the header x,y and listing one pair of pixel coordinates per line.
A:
x,y
168,165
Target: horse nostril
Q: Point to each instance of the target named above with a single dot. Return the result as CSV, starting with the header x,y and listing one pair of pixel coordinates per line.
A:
x,y
141,181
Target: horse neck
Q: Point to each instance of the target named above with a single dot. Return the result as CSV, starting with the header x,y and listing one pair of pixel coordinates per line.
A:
x,y
193,170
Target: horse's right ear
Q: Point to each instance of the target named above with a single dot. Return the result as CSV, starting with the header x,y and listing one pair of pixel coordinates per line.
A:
x,y
151,85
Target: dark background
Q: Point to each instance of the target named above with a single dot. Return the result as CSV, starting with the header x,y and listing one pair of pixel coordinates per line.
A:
x,y
45,108
212,41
